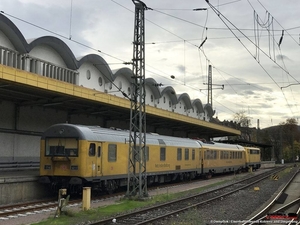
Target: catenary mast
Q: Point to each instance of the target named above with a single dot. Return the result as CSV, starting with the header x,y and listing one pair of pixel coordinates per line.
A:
x,y
137,176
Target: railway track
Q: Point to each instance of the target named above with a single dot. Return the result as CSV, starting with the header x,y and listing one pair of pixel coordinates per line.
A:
x,y
284,208
30,208
153,214
24,209
21,210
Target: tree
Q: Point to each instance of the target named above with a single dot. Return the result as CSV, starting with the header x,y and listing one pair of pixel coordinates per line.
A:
x,y
241,118
290,134
244,122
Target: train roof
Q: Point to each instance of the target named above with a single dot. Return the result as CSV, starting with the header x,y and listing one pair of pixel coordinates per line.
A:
x,y
97,133
222,146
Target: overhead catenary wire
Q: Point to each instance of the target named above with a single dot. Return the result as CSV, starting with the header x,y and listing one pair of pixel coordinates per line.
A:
x,y
221,16
286,30
223,20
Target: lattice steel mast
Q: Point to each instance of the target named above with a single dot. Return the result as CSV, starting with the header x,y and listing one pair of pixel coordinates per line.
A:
x,y
137,176
209,86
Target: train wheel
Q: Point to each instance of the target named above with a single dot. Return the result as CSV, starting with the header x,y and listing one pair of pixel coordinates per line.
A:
x,y
111,186
208,175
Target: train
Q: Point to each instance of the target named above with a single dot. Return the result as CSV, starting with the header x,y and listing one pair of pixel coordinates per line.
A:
x,y
75,156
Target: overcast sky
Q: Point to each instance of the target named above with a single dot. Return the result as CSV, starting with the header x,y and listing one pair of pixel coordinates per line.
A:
x,y
259,72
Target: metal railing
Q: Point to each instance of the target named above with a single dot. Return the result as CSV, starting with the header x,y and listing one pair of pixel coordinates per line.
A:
x,y
31,64
6,166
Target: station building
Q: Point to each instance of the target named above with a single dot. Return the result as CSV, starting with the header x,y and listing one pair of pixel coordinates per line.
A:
x,y
43,83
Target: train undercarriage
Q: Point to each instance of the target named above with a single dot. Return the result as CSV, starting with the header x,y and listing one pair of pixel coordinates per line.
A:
x,y
101,185
74,185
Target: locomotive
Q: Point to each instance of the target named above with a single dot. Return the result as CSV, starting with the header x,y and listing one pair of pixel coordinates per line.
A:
x,y
75,156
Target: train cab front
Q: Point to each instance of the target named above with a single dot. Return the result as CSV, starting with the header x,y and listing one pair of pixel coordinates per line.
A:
x,y
59,162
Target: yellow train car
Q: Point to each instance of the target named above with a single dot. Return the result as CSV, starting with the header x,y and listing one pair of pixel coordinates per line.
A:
x,y
253,158
222,158
73,156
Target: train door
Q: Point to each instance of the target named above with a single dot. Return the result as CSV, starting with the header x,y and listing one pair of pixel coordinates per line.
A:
x,y
94,159
99,159
201,159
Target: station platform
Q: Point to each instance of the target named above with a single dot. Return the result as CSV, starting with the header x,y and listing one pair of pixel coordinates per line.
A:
x,y
20,186
18,176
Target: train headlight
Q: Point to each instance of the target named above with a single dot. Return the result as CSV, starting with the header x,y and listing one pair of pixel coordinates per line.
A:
x,y
47,167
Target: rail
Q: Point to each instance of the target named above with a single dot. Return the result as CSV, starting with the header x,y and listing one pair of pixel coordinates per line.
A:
x,y
6,166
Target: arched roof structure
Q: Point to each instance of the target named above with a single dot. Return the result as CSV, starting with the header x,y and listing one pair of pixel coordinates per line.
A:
x,y
152,84
186,99
171,93
209,109
14,34
59,46
100,64
124,72
198,105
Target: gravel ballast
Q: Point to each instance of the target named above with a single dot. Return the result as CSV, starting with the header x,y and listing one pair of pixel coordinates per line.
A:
x,y
236,208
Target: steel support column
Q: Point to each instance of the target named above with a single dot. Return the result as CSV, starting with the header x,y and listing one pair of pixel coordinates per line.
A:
x,y
137,176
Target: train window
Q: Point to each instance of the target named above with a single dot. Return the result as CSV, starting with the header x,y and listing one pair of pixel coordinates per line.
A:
x,y
210,154
61,147
186,154
72,151
57,150
215,154
146,152
99,151
252,151
162,154
179,154
206,154
112,153
193,154
92,149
